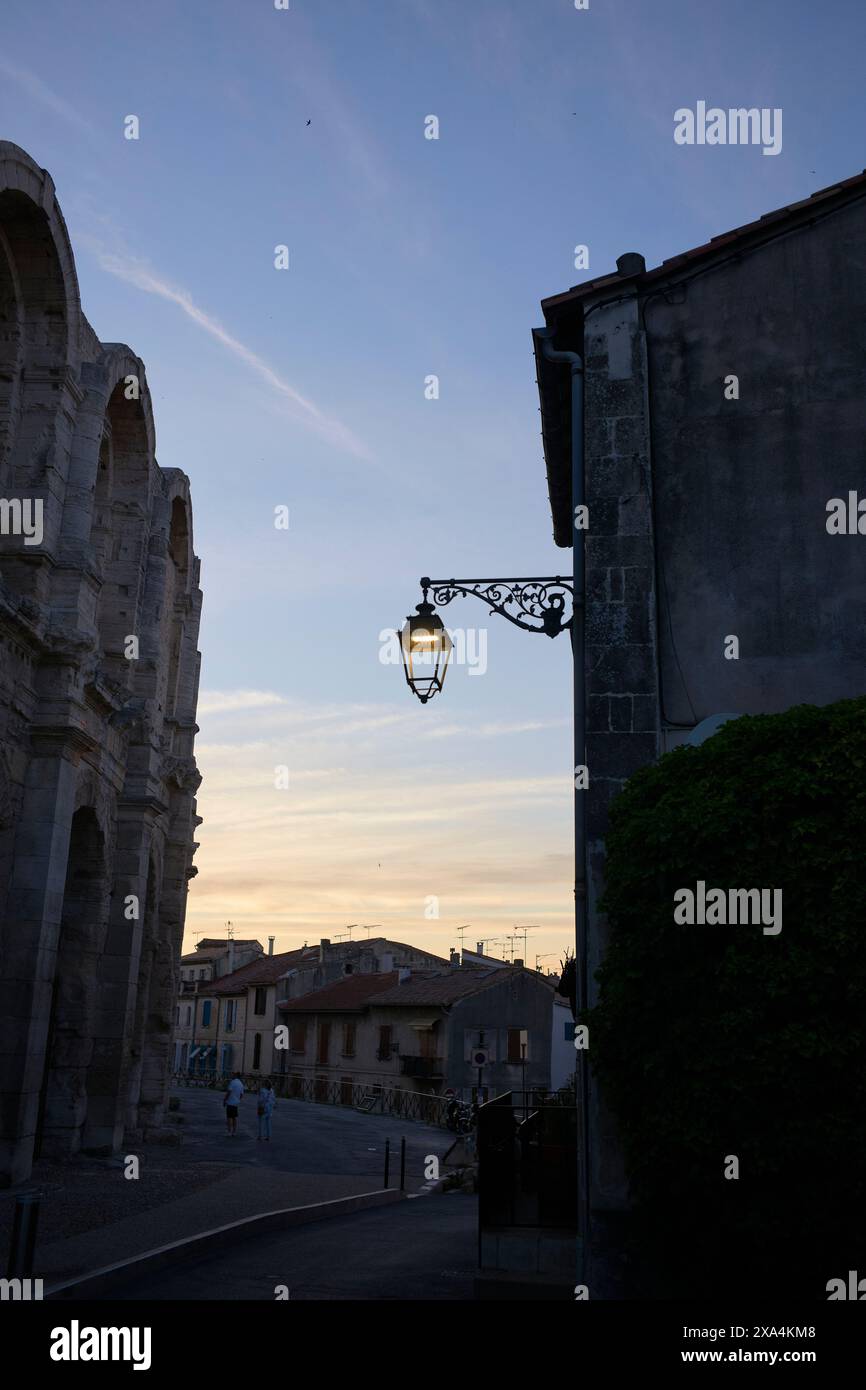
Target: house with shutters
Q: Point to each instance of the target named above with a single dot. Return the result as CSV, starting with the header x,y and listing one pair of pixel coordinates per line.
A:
x,y
212,958
227,1023
465,1029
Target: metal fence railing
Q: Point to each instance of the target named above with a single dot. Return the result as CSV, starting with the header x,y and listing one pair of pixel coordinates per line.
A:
x,y
373,1100
527,1164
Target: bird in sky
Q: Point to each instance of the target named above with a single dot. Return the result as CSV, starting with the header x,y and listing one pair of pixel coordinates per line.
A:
x,y
309,122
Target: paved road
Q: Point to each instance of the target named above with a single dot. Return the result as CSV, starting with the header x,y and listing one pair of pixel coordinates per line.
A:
x,y
307,1138
423,1248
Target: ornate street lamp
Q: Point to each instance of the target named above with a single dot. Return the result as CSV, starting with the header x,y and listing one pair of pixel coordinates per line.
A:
x,y
536,605
424,640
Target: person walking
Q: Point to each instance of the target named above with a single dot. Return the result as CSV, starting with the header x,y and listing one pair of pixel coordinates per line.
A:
x,y
231,1101
267,1101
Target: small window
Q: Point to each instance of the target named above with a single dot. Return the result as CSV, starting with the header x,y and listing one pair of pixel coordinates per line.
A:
x,y
518,1045
260,1005
384,1051
257,1052
297,1037
205,1014
324,1046
231,1013
568,1032
348,1039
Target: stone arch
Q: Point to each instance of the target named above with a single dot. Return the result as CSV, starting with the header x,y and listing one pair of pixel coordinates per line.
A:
x,y
40,319
11,355
121,508
179,542
131,413
69,1043
178,587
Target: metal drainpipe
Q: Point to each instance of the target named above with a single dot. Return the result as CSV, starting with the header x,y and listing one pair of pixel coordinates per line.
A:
x,y
578,643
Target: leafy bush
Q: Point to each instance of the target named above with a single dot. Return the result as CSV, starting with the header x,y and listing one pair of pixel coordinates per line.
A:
x,y
711,1041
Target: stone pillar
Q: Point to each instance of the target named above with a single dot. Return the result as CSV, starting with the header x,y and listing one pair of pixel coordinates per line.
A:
x,y
159,1020
34,911
112,1069
623,729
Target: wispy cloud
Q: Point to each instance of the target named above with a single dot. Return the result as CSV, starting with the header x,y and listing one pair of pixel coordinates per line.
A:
x,y
137,272
358,836
223,702
46,96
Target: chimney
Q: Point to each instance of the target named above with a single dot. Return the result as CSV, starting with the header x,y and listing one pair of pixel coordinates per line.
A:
x,y
630,263
519,962
403,974
324,945
479,948
270,945
455,956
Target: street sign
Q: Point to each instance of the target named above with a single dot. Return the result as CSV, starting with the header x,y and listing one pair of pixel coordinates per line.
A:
x,y
480,1057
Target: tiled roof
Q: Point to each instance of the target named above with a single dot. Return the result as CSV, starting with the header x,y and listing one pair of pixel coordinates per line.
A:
x,y
386,942
446,988
266,970
347,995
207,951
840,191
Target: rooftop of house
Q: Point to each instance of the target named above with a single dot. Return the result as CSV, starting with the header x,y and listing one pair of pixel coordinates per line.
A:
x,y
804,209
386,990
268,969
349,995
214,943
445,988
265,970
564,314
382,945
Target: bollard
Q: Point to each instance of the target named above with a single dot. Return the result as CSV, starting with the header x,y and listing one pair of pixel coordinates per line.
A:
x,y
22,1247
387,1159
403,1165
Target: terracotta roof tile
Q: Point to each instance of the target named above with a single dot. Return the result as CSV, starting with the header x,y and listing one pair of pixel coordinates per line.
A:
x,y
266,970
347,995
446,988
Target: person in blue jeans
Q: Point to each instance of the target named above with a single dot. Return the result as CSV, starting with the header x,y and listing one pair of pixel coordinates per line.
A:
x,y
267,1101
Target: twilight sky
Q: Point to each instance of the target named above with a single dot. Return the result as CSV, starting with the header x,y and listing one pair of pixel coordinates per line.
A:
x,y
305,387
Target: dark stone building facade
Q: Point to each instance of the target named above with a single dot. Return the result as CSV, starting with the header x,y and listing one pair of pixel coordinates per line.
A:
x,y
99,617
724,408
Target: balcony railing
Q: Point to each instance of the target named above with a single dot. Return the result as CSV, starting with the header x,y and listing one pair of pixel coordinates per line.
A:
x,y
431,1068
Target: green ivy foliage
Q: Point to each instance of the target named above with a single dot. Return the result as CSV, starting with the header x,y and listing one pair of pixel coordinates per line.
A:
x,y
711,1041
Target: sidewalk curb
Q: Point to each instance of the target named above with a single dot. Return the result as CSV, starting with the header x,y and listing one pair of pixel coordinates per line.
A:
x,y
101,1280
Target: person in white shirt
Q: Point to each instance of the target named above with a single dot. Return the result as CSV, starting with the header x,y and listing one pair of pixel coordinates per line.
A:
x,y
231,1101
267,1101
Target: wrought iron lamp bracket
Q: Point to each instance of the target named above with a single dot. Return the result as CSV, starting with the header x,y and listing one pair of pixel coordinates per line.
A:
x,y
535,604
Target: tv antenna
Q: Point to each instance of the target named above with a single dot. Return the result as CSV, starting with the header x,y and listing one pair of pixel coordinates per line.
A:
x,y
518,931
362,926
